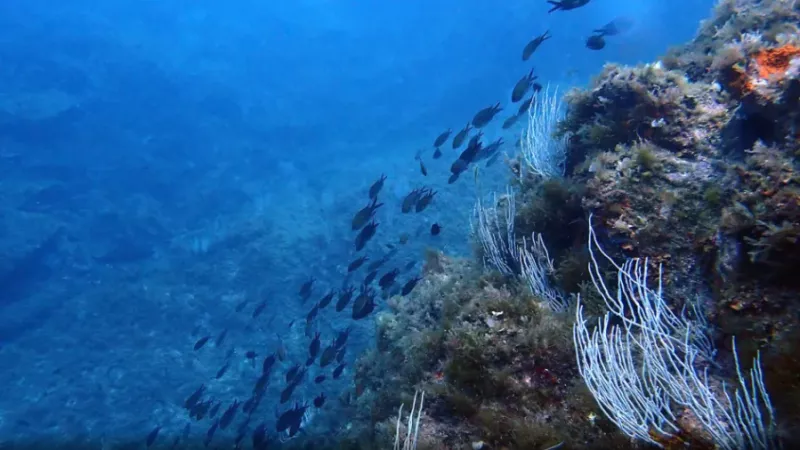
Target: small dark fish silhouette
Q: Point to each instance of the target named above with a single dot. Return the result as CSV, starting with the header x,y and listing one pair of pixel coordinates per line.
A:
x,y
201,342
338,371
617,26
509,122
424,200
437,153
319,379
305,289
522,86
259,309
328,355
341,338
221,338
388,279
325,301
319,401
370,276
151,437
595,42
525,106
362,217
365,235
566,5
409,286
344,297
410,200
228,415
534,44
222,370
376,187
210,433
442,138
435,229
353,266
313,348
422,168
461,136
485,115
269,361
193,399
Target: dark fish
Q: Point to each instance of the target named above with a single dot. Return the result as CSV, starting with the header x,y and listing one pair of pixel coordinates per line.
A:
x,y
201,342
422,168
222,370
221,338
493,159
290,418
305,289
457,167
292,373
376,264
436,229
453,178
192,400
328,355
269,361
410,200
388,279
485,115
312,314
371,276
365,214
409,286
473,148
525,106
364,311
338,371
251,355
240,307
537,87
522,86
340,355
151,437
437,153
353,266
325,301
287,392
344,297
461,136
341,338
363,296
534,44
281,351
425,200
260,437
617,26
365,235
376,187
313,348
319,401
210,433
595,42
489,150
259,309
566,5
214,410
509,122
228,415
319,379
442,138
261,384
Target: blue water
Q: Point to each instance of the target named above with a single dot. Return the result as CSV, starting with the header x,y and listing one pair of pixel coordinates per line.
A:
x,y
163,161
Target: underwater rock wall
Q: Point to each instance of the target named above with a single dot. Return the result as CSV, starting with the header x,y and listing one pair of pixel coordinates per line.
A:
x,y
690,162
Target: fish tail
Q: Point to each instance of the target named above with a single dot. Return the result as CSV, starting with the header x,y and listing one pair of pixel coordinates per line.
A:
x,y
556,5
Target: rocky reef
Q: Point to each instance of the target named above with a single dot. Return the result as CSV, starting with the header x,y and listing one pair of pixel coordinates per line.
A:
x,y
689,162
